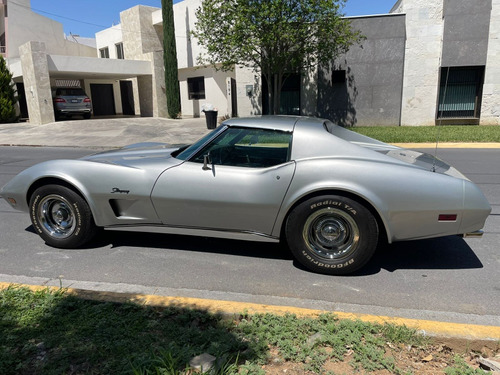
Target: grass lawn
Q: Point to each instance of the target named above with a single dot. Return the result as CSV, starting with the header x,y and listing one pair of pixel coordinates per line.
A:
x,y
420,134
51,332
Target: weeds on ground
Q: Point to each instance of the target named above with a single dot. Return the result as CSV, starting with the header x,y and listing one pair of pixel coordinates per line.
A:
x,y
461,368
51,332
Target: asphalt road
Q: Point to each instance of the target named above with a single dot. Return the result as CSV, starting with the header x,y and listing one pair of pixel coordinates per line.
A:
x,y
447,279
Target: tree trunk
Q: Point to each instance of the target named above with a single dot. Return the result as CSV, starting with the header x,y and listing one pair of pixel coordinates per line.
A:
x,y
277,86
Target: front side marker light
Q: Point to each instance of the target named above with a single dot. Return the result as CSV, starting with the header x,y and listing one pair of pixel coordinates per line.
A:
x,y
12,201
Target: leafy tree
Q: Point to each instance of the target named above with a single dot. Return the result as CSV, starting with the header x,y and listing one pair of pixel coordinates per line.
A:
x,y
274,37
8,96
170,59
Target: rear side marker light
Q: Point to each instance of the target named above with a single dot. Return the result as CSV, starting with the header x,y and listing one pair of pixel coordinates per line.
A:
x,y
448,217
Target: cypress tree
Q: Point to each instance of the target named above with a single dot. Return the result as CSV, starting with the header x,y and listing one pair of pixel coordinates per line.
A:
x,y
170,60
8,96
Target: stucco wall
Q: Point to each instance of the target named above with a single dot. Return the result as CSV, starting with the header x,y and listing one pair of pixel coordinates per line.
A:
x,y
188,48
109,38
215,91
371,92
26,25
248,105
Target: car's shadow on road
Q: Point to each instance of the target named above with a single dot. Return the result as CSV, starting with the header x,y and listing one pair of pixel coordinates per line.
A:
x,y
446,253
193,243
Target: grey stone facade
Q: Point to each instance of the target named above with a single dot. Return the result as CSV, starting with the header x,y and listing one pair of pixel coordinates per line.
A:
x,y
466,32
400,74
371,92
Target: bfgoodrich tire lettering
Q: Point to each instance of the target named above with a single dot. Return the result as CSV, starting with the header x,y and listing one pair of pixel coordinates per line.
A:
x,y
332,234
61,217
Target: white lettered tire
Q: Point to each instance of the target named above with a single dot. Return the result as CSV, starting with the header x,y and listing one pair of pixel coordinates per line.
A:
x,y
332,234
61,217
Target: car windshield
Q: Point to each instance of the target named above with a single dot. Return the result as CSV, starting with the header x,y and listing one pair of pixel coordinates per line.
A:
x,y
186,154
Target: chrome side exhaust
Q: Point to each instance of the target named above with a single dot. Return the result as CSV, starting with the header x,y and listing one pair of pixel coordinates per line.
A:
x,y
476,234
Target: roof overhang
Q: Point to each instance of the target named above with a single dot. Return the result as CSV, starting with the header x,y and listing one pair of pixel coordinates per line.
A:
x,y
93,67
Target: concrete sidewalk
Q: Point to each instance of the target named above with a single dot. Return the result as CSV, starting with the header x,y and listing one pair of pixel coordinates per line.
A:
x,y
119,132
104,132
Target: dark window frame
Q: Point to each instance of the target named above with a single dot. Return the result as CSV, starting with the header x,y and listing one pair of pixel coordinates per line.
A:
x,y
119,51
460,92
104,53
196,88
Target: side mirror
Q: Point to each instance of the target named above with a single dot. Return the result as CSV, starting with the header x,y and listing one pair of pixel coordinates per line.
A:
x,y
206,160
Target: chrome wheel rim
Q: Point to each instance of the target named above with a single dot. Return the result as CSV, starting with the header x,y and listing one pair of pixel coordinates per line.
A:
x,y
331,234
57,216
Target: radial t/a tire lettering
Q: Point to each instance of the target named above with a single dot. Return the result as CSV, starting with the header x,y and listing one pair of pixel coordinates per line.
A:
x,y
332,234
61,217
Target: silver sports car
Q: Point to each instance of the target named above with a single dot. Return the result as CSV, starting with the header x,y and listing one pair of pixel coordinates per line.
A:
x,y
329,193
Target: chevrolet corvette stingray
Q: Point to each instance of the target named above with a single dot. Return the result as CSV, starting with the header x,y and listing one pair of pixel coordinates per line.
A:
x,y
330,194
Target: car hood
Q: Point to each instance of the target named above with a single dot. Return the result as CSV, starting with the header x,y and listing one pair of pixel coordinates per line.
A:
x,y
137,155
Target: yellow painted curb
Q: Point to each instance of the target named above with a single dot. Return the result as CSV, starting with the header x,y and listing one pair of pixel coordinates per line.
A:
x,y
468,331
485,145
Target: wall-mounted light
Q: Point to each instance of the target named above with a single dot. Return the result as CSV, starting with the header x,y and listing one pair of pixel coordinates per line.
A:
x,y
249,90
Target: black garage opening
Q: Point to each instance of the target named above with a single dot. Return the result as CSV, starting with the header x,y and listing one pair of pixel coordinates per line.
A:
x,y
103,100
127,94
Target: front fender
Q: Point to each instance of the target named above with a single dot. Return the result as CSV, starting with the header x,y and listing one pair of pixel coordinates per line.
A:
x,y
115,194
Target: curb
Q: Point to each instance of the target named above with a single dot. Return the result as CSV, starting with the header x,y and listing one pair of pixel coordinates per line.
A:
x,y
478,145
426,327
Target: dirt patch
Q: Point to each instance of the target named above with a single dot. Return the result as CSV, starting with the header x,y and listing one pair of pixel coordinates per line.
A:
x,y
433,359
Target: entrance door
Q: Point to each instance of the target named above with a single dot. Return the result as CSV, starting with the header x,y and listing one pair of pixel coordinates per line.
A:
x,y
23,106
127,95
234,99
103,100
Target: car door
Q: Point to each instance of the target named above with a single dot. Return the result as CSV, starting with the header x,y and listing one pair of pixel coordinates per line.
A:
x,y
236,182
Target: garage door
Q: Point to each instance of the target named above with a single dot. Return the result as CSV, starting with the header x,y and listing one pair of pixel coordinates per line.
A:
x,y
103,100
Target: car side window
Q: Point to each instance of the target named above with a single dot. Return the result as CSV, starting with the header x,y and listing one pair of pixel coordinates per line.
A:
x,y
246,147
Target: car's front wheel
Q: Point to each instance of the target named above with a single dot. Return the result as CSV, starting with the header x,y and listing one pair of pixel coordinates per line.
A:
x,y
332,234
61,217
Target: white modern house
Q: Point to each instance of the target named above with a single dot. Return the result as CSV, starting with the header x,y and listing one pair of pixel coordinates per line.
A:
x,y
427,62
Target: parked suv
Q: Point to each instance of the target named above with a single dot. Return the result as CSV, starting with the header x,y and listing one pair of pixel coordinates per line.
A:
x,y
71,101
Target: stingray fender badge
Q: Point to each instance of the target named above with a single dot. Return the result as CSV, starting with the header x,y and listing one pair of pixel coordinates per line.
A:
x,y
116,190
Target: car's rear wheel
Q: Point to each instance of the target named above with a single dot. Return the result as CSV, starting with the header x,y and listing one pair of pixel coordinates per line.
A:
x,y
86,116
332,234
61,217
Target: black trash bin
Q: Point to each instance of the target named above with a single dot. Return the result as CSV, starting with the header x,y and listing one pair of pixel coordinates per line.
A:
x,y
211,117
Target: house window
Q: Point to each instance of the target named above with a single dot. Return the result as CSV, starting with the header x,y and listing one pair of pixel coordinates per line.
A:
x,y
460,92
104,52
338,76
196,88
119,51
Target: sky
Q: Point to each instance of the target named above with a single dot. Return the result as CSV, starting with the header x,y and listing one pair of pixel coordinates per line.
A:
x,y
85,18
